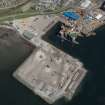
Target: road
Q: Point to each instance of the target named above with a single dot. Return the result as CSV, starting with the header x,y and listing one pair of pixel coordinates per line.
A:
x,y
27,14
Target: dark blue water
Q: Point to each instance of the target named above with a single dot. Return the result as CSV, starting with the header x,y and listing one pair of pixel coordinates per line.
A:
x,y
13,51
91,52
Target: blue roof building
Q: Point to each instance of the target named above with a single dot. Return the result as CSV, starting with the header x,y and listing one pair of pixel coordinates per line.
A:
x,y
71,15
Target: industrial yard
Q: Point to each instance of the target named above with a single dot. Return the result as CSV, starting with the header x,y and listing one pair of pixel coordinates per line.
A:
x,y
62,45
57,74
51,80
82,21
72,23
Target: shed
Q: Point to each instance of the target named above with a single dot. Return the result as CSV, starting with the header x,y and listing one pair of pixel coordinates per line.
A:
x,y
71,15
